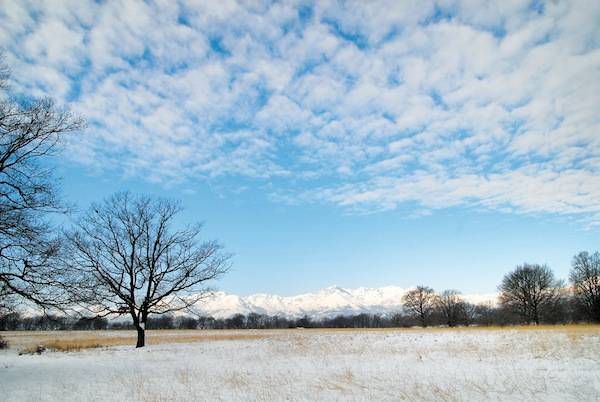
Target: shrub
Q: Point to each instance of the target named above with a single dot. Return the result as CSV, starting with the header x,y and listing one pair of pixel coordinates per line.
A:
x,y
3,343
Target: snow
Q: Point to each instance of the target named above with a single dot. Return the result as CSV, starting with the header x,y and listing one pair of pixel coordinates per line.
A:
x,y
324,303
327,302
387,365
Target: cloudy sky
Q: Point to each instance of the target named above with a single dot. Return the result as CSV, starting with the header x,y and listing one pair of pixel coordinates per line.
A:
x,y
356,143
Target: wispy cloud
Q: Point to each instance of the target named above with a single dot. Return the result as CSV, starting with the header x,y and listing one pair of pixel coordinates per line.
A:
x,y
367,105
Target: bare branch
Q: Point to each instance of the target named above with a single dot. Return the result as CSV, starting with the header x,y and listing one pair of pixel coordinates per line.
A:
x,y
138,264
529,290
29,134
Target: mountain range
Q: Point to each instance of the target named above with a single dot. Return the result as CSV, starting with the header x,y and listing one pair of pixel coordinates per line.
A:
x,y
327,302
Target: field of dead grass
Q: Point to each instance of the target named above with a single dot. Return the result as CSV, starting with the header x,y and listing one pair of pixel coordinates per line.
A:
x,y
69,341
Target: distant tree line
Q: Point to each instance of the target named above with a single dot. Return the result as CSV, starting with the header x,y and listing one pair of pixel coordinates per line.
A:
x,y
481,315
529,294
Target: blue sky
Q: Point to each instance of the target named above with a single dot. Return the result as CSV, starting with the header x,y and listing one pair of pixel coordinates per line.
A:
x,y
349,143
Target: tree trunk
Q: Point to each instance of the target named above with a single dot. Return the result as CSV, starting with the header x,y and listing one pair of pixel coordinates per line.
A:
x,y
141,336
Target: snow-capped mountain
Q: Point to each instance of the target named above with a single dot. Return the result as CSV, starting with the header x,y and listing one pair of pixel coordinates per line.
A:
x,y
326,302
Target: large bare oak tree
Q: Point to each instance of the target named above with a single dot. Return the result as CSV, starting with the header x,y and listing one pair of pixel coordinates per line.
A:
x,y
30,133
131,260
530,291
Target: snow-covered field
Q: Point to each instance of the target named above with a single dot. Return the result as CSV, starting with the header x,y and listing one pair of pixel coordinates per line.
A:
x,y
556,364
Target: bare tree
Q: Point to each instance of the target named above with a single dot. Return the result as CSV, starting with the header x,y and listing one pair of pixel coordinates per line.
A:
x,y
420,302
585,277
131,261
30,133
452,307
530,291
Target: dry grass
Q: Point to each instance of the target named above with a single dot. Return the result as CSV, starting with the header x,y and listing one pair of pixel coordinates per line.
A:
x,y
71,341
566,328
76,345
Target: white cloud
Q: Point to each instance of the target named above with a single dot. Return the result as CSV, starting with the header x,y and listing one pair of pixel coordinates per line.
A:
x,y
443,103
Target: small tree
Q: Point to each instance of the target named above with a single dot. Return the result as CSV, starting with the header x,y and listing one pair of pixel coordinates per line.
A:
x,y
130,260
452,307
236,321
30,133
485,314
529,291
585,277
419,303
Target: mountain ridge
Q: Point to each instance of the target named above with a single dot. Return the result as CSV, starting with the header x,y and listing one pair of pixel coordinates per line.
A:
x,y
327,302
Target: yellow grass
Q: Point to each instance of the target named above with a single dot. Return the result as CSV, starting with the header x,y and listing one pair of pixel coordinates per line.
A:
x,y
69,341
68,345
591,328
27,341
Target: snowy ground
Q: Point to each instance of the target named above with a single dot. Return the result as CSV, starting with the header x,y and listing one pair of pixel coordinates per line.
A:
x,y
561,364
